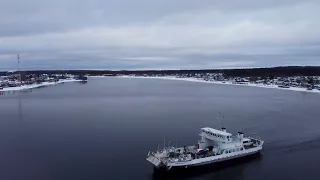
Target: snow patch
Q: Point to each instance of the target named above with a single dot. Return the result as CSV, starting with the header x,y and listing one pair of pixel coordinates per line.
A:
x,y
32,86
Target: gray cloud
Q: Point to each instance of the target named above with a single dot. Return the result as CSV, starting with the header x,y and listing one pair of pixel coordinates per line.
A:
x,y
141,34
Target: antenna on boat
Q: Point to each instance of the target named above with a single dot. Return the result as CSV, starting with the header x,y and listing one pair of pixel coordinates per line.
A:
x,y
220,118
164,143
201,123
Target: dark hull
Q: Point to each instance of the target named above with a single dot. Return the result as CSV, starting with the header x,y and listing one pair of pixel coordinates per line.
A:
x,y
196,170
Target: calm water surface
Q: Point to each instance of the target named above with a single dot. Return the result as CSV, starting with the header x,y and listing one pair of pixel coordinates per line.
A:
x,y
105,128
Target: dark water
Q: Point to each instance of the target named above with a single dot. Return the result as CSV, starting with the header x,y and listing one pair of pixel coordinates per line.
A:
x,y
105,128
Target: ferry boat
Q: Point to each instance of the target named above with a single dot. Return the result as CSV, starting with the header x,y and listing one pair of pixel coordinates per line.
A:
x,y
214,146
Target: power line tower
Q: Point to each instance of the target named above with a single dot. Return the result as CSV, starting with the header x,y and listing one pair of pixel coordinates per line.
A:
x,y
19,73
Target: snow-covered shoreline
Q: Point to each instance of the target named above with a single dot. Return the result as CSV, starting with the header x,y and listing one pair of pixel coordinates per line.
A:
x,y
224,82
32,86
195,80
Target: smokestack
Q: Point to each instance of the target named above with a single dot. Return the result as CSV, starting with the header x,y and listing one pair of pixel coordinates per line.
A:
x,y
223,129
240,135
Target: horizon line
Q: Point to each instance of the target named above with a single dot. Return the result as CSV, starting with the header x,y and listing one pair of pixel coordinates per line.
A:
x,y
97,69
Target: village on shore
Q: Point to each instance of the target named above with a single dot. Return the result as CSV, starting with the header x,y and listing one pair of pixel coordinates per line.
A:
x,y
19,80
307,82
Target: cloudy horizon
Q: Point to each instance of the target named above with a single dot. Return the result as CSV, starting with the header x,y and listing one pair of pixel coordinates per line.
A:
x,y
145,34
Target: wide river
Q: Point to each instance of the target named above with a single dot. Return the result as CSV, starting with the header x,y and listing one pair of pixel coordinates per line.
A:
x,y
104,129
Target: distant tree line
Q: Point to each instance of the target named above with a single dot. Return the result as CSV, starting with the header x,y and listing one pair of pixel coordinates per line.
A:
x,y
274,72
248,72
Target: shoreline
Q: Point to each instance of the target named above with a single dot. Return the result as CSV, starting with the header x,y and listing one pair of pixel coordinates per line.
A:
x,y
226,83
33,86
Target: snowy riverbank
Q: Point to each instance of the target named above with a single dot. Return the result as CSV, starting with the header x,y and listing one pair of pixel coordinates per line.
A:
x,y
32,86
225,82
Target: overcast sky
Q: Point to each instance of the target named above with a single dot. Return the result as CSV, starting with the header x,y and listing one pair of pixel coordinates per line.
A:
x,y
162,34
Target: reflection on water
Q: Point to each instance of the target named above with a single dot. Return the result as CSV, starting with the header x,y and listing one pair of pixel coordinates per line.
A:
x,y
20,108
83,82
